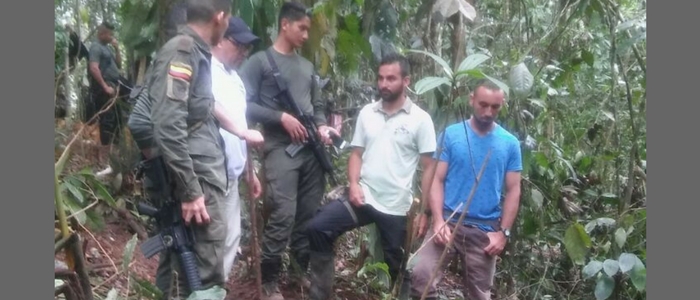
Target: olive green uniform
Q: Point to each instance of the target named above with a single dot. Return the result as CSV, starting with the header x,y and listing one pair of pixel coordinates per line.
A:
x,y
186,135
295,186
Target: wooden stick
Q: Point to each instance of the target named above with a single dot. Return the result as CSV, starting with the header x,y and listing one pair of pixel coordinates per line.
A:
x,y
459,223
254,224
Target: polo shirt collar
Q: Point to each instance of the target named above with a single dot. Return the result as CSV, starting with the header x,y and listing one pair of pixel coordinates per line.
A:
x,y
406,106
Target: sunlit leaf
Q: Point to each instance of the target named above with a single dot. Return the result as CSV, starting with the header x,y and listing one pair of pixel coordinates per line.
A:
x,y
627,262
521,80
439,60
537,198
592,268
620,237
611,267
429,83
472,62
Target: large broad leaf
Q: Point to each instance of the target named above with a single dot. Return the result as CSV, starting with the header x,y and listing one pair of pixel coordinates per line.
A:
x,y
447,8
577,243
611,267
537,198
429,83
627,261
604,287
129,252
638,275
521,80
592,268
439,60
620,237
472,62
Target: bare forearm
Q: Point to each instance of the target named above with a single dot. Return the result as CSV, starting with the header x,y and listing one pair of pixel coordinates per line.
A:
x,y
510,208
426,181
436,199
354,164
226,123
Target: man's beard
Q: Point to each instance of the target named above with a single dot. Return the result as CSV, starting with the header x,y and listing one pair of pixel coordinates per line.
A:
x,y
483,123
389,96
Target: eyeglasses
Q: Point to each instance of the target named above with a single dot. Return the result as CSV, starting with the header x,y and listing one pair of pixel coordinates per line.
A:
x,y
239,45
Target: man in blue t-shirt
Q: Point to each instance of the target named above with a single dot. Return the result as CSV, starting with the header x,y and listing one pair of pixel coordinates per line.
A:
x,y
486,225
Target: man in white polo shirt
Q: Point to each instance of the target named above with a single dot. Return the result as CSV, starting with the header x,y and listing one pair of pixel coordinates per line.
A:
x,y
391,137
229,92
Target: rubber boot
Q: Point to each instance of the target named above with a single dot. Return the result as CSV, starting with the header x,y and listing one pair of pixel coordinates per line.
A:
x,y
322,270
298,272
270,273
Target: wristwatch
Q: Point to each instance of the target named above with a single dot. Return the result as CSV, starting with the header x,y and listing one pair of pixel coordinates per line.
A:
x,y
506,231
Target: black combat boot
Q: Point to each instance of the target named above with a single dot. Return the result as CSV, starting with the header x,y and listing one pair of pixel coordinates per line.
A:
x,y
270,275
322,271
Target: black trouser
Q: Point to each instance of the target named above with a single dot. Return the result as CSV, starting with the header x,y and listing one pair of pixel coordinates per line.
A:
x,y
335,218
112,120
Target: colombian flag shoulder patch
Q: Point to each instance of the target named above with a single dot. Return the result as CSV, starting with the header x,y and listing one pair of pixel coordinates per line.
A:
x,y
181,71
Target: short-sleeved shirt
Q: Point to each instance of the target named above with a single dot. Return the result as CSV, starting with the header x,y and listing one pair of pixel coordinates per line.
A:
x,y
461,175
100,53
392,148
230,92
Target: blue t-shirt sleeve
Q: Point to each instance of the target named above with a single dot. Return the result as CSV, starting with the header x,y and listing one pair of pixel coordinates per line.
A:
x,y
442,149
515,162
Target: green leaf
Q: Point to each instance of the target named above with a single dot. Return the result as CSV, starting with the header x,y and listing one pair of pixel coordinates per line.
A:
x,y
439,60
577,243
592,268
604,287
472,62
620,237
608,195
537,102
129,252
588,57
611,267
537,198
102,193
499,83
627,261
638,275
521,80
602,222
429,83
609,115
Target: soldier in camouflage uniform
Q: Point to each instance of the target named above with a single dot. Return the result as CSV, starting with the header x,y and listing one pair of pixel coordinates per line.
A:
x,y
186,135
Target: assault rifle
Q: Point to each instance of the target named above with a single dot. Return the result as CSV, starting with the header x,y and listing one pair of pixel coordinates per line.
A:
x,y
308,122
174,234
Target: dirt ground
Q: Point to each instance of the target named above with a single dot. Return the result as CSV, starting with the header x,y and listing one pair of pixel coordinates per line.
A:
x,y
104,251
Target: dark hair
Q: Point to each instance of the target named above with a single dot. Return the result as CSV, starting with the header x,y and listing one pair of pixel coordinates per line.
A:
x,y
292,11
394,57
204,10
107,25
486,84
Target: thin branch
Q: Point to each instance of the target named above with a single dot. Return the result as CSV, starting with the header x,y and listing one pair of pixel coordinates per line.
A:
x,y
100,246
459,223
